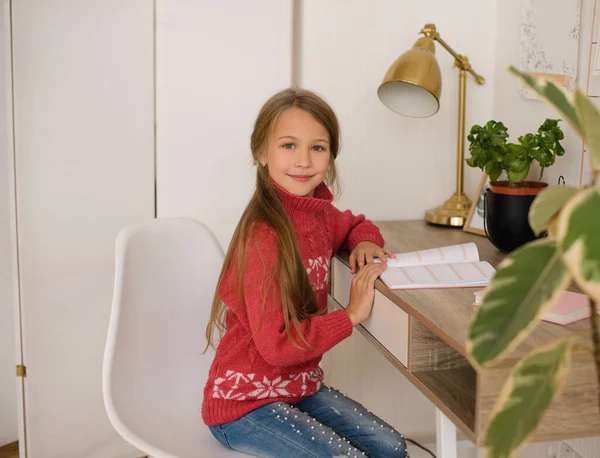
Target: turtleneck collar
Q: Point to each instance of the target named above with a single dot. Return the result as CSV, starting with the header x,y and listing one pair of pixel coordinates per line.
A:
x,y
321,197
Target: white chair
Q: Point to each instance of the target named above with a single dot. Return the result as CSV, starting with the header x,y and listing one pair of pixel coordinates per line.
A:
x,y
154,370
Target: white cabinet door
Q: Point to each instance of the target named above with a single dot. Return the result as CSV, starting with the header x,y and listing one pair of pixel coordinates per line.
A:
x,y
84,136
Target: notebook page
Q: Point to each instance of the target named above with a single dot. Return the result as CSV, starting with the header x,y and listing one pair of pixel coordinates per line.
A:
x,y
439,275
466,252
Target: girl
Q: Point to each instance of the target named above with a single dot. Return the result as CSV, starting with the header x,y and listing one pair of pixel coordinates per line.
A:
x,y
265,394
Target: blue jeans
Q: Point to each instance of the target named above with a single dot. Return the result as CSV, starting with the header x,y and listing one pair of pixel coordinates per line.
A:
x,y
327,424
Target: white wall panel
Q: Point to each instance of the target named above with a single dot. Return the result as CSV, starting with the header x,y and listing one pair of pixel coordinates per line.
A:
x,y
217,63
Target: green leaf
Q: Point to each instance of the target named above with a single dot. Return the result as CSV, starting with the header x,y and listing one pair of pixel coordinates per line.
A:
x,y
543,156
518,165
526,395
487,144
552,94
589,118
547,204
529,140
551,127
519,172
513,152
493,170
578,233
528,282
471,162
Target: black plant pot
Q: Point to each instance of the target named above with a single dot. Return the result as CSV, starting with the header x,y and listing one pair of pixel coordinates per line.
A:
x,y
506,214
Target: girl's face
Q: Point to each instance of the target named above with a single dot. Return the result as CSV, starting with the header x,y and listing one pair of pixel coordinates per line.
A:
x,y
298,152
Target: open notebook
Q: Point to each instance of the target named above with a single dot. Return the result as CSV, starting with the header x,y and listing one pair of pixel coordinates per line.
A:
x,y
445,267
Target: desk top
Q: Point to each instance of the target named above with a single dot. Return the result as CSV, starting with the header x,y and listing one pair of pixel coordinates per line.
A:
x,y
448,312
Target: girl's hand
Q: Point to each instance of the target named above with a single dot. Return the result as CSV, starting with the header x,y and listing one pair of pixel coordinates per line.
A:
x,y
362,292
364,252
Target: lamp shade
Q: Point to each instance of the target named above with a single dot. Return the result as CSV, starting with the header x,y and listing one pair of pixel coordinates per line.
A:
x,y
413,84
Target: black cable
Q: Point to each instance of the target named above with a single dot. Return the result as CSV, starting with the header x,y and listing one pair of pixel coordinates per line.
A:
x,y
420,446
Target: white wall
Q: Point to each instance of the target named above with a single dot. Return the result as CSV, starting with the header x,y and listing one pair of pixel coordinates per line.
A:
x,y
83,75
217,63
394,167
8,383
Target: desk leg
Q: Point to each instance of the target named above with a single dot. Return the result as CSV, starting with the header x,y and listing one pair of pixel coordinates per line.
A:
x,y
446,436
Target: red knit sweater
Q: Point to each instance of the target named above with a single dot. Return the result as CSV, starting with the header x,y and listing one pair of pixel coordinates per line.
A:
x,y
255,363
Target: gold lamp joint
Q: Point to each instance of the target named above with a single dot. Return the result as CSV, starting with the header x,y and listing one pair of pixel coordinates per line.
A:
x,y
460,61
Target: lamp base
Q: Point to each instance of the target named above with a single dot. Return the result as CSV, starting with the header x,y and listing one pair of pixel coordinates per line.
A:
x,y
453,213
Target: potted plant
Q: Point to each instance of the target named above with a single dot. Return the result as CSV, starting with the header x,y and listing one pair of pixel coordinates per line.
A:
x,y
507,202
529,282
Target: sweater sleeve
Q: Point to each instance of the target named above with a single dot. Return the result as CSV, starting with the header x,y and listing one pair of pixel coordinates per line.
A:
x,y
265,313
349,230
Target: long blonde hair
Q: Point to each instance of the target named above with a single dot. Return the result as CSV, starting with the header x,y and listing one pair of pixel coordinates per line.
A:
x,y
297,295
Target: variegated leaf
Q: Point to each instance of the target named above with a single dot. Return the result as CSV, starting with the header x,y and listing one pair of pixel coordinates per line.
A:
x,y
578,233
526,395
528,282
589,118
547,204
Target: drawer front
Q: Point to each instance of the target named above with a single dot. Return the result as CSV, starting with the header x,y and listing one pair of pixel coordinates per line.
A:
x,y
341,278
388,323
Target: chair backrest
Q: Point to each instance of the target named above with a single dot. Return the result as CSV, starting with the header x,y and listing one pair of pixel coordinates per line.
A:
x,y
154,370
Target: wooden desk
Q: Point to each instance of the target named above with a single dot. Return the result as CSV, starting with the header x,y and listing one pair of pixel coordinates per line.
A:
x,y
423,334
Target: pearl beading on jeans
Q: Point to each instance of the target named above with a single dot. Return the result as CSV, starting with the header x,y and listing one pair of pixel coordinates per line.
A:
x,y
343,442
335,441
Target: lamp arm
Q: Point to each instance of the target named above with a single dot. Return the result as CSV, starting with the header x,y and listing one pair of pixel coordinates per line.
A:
x,y
461,61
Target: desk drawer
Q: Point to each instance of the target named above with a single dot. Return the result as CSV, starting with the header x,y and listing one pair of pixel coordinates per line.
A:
x,y
388,323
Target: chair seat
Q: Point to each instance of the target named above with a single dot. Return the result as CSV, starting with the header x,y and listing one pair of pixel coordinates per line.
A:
x,y
185,438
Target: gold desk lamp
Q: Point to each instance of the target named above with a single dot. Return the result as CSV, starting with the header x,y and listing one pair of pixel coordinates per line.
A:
x,y
412,87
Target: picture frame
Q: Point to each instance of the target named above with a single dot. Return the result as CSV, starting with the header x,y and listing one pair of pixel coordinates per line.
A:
x,y
474,221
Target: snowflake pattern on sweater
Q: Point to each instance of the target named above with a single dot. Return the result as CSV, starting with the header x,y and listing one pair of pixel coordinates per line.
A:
x,y
318,271
239,386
